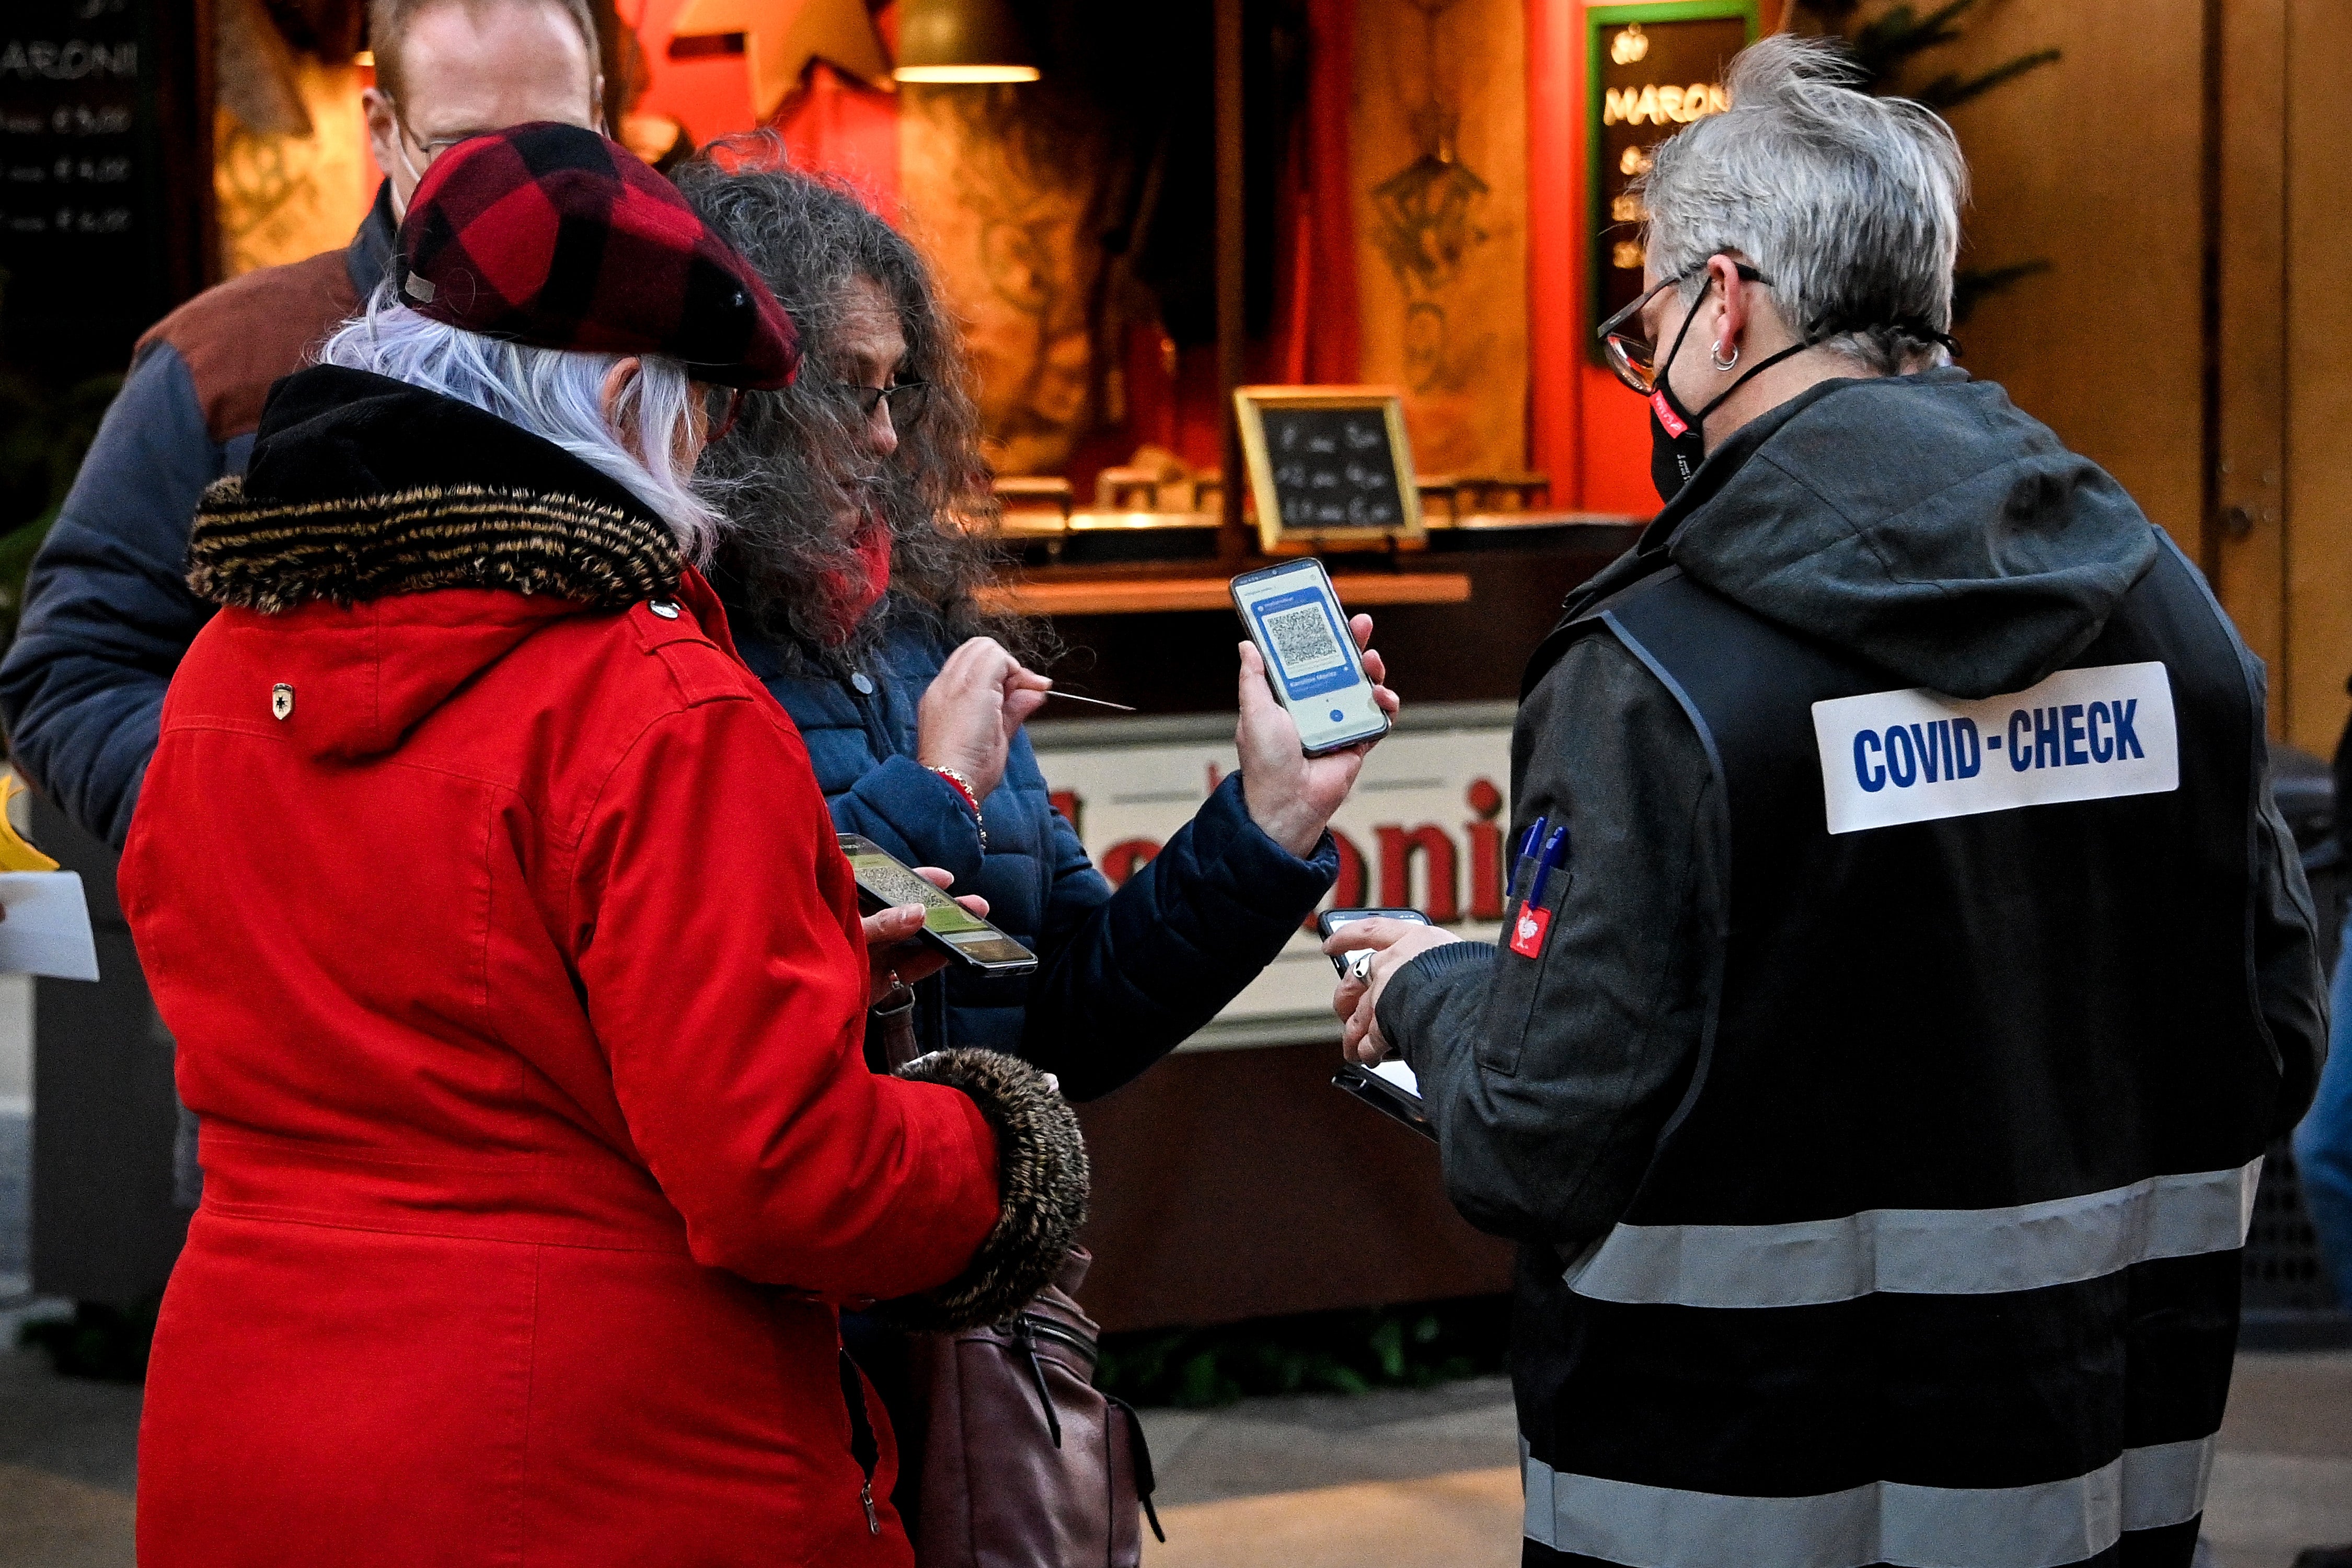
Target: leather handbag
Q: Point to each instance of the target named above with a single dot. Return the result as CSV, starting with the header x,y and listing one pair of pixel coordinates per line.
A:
x,y
1027,1464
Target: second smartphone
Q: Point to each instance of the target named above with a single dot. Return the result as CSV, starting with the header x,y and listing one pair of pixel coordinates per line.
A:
x,y
884,880
1293,615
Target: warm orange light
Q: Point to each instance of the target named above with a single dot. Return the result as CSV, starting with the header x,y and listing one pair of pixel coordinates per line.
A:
x,y
365,59
966,74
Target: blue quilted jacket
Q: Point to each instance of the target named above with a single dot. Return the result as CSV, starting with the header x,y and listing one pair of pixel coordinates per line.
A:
x,y
1123,976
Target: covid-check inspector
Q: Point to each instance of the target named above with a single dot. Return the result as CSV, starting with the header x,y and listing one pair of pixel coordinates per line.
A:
x,y
1905,967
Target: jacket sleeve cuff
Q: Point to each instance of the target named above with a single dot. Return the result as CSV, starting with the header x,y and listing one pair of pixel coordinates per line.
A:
x,y
1269,875
927,813
1407,998
1042,1185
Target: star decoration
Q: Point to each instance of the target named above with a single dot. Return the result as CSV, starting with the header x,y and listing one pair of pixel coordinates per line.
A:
x,y
781,36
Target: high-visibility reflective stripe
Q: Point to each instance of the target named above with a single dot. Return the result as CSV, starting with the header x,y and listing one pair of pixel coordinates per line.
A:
x,y
1911,1526
1921,1252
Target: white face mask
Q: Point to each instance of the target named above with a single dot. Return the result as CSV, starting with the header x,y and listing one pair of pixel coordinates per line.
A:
x,y
400,140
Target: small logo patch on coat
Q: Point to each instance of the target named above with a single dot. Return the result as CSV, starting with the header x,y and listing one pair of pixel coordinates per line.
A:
x,y
281,702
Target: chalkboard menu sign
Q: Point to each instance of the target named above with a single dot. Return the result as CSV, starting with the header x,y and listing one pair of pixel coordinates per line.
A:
x,y
103,176
1655,69
1329,464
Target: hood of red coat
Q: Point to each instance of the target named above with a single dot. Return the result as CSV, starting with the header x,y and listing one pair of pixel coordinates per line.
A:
x,y
363,675
387,546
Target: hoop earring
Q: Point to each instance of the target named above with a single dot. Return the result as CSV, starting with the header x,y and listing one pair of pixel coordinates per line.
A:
x,y
1714,357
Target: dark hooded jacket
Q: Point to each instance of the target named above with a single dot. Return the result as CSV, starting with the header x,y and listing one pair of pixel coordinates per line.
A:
x,y
1922,522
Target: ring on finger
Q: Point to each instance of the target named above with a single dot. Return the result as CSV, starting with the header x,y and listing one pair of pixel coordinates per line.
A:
x,y
1360,967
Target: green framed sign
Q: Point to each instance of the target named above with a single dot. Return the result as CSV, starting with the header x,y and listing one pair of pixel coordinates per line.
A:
x,y
1654,69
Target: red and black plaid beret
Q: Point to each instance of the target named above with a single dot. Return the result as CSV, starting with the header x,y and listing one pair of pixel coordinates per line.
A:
x,y
553,235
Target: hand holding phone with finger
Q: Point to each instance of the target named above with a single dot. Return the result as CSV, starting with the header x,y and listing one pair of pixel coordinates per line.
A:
x,y
1387,1087
1331,921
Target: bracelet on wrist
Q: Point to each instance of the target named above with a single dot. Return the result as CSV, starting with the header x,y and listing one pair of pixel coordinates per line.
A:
x,y
971,798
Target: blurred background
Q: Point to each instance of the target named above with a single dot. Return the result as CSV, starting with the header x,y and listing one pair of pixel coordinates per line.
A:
x,y
1135,209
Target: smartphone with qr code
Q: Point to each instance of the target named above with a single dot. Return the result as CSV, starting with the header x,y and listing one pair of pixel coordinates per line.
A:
x,y
885,881
1293,615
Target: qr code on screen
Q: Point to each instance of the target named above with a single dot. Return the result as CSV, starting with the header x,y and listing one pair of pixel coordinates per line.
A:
x,y
1302,639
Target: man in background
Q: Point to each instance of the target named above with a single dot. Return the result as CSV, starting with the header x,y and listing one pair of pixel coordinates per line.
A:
x,y
107,614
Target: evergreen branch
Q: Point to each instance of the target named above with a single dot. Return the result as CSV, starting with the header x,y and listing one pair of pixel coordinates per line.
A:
x,y
1897,34
1975,285
1884,45
1948,91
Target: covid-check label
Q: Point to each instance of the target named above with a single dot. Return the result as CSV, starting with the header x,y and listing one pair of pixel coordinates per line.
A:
x,y
1914,756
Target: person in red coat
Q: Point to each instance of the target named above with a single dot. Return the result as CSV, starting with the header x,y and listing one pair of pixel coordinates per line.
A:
x,y
517,977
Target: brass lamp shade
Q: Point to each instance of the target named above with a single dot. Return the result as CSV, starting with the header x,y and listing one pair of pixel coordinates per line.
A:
x,y
961,41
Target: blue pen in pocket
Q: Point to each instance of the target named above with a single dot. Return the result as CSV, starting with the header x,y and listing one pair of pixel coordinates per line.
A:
x,y
1533,923
1527,842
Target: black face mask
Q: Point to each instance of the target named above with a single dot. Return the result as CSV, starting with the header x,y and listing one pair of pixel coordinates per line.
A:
x,y
1677,445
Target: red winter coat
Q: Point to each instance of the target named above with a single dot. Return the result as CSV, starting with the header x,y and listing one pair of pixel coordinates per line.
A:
x,y
518,983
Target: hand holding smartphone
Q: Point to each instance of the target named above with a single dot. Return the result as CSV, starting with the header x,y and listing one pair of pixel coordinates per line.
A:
x,y
1388,1088
1293,616
885,881
1331,921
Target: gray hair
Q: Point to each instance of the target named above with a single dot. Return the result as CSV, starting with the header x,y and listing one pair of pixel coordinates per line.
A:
x,y
1849,205
556,395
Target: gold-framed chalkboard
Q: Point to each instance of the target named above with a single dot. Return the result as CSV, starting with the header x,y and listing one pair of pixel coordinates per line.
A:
x,y
1328,465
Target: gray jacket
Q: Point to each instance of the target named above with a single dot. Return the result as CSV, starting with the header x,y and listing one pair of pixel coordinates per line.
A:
x,y
1923,522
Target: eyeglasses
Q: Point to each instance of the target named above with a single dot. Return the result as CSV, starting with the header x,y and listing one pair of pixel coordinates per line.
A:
x,y
432,150
1634,358
439,145
721,406
906,399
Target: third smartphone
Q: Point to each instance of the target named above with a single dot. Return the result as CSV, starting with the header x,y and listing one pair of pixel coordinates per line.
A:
x,y
1293,617
1331,921
884,880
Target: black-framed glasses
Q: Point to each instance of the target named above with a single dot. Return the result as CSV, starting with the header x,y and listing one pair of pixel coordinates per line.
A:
x,y
906,399
1634,358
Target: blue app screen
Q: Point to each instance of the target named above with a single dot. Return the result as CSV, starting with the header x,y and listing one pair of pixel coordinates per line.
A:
x,y
1309,644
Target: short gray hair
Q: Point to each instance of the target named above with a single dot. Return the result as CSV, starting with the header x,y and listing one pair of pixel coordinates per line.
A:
x,y
1849,204
557,395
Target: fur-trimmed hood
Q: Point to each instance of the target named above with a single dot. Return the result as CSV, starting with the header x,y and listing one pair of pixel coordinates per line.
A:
x,y
362,487
400,543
